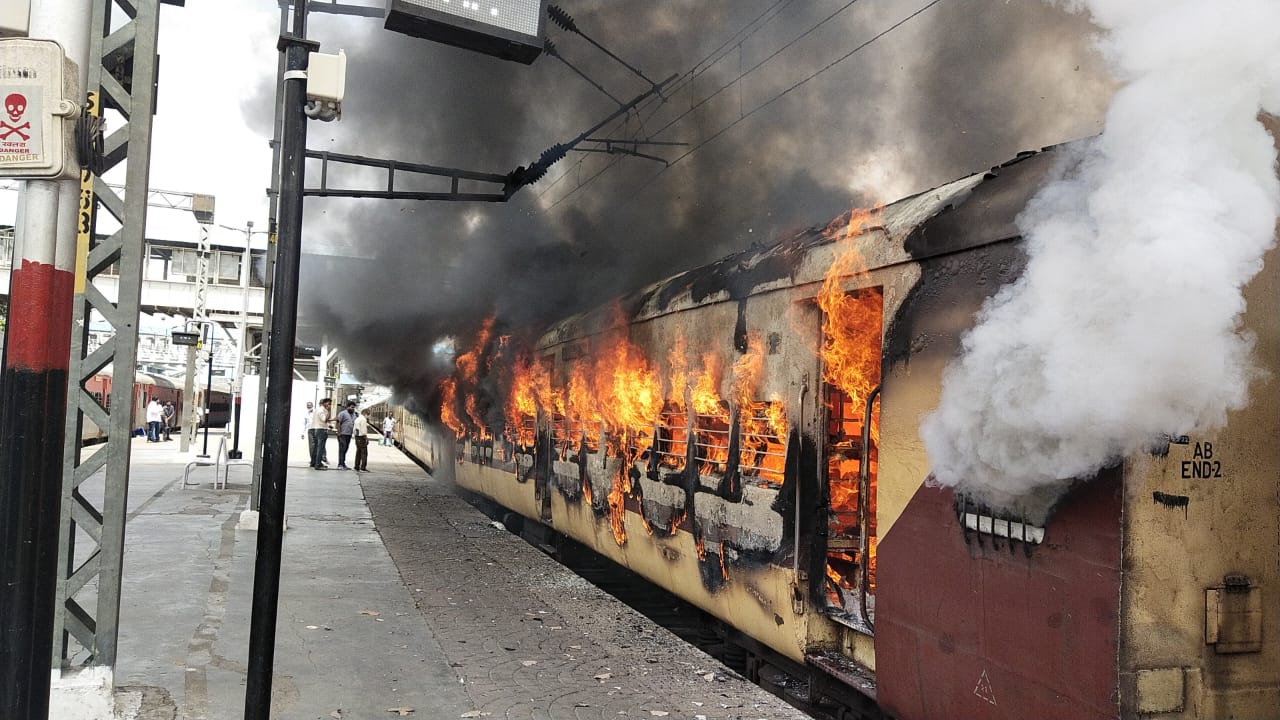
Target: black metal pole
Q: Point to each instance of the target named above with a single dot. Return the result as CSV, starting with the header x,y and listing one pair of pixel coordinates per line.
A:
x,y
275,450
234,454
208,390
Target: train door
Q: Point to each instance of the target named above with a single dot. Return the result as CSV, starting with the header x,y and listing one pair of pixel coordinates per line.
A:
x,y
851,357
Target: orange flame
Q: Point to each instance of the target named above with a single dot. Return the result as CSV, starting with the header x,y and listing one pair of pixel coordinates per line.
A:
x,y
747,371
706,392
448,394
851,356
851,322
530,391
617,504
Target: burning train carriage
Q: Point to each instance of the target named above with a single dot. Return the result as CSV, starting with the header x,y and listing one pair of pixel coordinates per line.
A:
x,y
750,442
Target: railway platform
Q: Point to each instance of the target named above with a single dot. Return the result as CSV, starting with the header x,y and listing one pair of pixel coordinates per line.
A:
x,y
398,599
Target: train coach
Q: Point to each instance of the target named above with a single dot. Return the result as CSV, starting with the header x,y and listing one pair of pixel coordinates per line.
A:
x,y
146,387
746,435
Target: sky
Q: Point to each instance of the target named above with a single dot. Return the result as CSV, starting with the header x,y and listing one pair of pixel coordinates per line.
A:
x,y
790,111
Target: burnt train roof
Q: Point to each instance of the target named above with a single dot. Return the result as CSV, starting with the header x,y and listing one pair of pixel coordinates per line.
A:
x,y
975,210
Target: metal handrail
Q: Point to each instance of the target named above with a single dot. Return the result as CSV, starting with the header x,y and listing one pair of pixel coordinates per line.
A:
x,y
795,562
864,509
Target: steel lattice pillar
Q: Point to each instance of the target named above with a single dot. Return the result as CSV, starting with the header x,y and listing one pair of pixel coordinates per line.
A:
x,y
199,314
122,78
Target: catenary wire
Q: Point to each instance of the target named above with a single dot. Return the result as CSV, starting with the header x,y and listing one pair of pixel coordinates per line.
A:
x,y
695,71
634,192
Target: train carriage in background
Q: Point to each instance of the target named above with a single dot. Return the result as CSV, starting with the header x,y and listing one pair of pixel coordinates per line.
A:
x,y
145,387
782,488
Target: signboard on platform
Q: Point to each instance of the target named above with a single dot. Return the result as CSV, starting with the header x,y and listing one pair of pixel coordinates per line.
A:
x,y
185,338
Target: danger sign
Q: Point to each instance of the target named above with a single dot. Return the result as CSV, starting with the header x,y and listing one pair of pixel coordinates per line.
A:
x,y
38,110
20,124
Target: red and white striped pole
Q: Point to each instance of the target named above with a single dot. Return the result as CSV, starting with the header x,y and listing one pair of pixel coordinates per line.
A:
x,y
33,397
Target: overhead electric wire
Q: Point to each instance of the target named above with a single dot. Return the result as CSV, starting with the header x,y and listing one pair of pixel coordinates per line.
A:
x,y
686,79
861,46
731,83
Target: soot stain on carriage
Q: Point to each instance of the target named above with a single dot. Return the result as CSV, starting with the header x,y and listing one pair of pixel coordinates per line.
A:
x,y
1172,501
737,275
977,222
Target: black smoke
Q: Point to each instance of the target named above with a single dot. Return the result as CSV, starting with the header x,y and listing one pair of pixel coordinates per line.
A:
x,y
963,86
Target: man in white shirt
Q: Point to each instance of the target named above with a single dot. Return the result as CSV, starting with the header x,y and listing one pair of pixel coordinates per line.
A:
x,y
319,434
361,430
388,425
155,415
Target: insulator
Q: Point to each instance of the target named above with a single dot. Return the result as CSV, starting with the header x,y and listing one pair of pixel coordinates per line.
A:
x,y
562,18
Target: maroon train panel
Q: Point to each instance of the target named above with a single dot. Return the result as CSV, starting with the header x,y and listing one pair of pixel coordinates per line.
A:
x,y
1020,632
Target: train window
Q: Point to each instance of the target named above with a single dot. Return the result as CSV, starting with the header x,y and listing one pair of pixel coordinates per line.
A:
x,y
673,437
570,434
525,432
763,440
851,378
711,441
561,439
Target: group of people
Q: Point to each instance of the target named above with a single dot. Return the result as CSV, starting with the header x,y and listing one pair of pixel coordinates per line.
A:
x,y
350,425
160,420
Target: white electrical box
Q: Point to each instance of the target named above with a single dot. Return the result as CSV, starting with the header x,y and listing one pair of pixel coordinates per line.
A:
x,y
326,76
15,18
38,85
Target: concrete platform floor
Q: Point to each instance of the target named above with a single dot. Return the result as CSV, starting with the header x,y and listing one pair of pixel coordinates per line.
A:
x,y
419,608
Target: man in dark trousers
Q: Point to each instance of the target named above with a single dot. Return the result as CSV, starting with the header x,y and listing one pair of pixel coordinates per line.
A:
x,y
319,434
346,426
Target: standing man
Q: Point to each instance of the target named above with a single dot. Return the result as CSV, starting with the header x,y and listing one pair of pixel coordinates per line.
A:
x,y
388,425
169,415
319,434
346,425
362,441
306,422
155,414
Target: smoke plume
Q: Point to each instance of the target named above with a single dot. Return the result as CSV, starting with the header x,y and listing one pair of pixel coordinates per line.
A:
x,y
1126,324
787,124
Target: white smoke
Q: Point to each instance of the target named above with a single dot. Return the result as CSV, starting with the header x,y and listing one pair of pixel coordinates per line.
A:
x,y
1126,324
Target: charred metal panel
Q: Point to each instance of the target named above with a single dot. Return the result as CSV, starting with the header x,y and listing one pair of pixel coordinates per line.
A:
x,y
988,214
973,630
954,284
943,304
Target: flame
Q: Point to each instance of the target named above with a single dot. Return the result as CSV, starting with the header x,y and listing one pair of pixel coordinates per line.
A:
x,y
448,395
468,363
632,392
850,321
468,368
763,440
747,371
706,392
617,504
851,356
676,518
530,391
674,426
724,571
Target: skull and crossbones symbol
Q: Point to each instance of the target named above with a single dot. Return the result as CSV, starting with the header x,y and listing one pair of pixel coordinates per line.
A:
x,y
15,106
